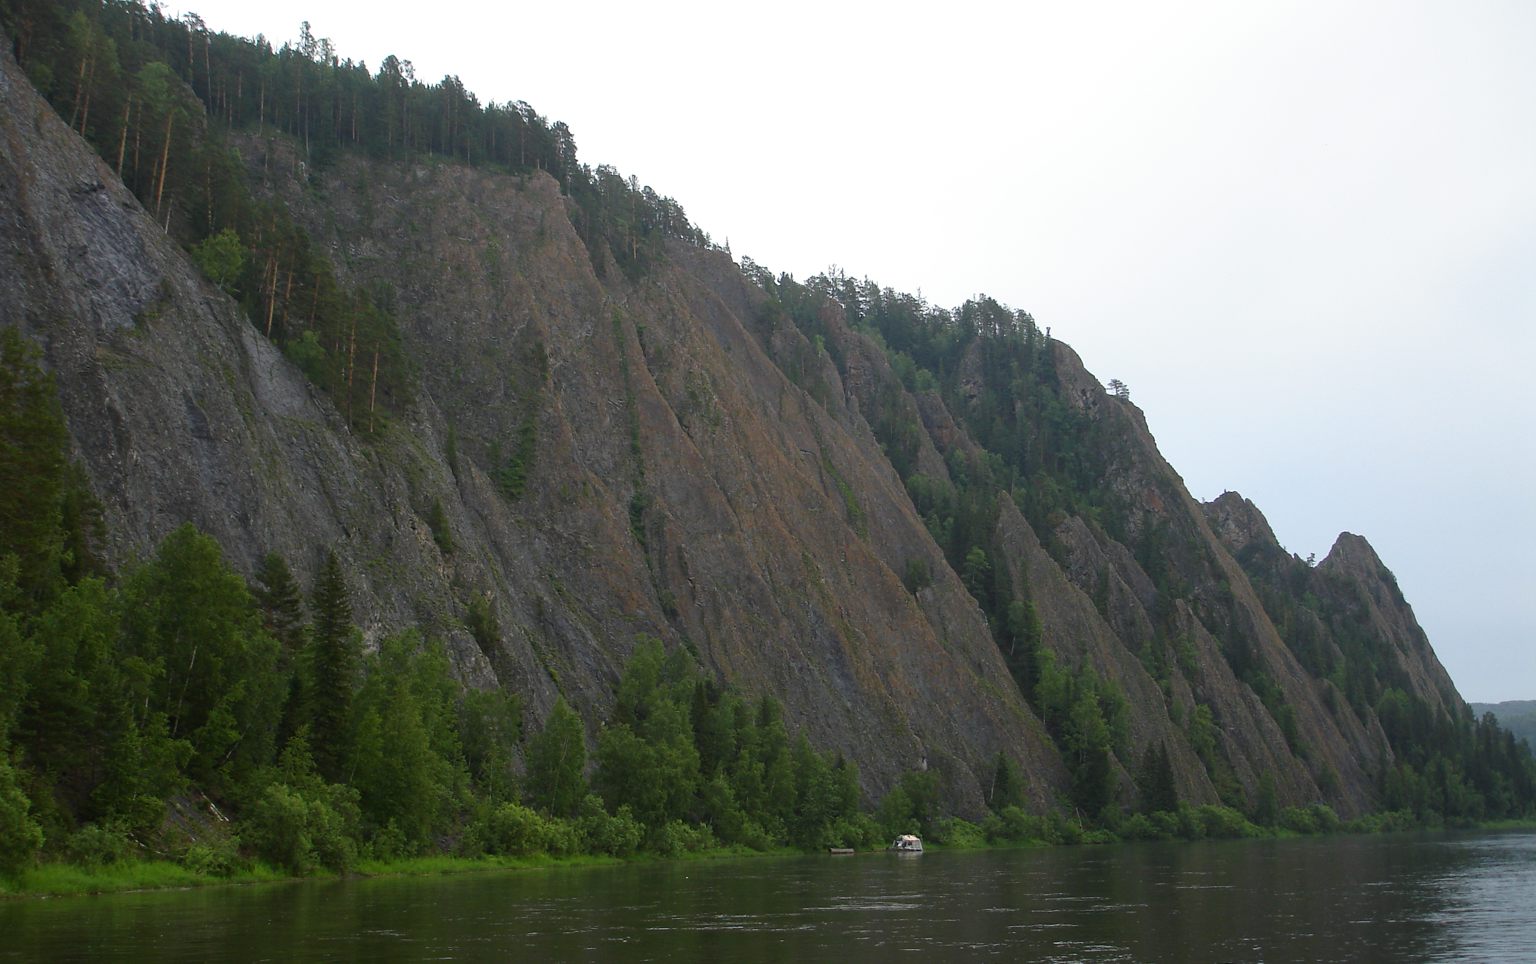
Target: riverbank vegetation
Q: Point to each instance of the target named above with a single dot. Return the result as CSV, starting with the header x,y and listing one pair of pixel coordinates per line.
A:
x,y
173,724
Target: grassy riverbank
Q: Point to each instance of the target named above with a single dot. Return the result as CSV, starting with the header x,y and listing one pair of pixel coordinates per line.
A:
x,y
70,880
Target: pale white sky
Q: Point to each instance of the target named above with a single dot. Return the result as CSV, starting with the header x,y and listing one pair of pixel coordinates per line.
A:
x,y
1303,233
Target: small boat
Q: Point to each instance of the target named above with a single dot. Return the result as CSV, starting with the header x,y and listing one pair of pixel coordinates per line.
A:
x,y
907,844
840,851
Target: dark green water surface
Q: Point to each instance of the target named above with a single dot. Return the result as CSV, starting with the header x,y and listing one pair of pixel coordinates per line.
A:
x,y
1392,898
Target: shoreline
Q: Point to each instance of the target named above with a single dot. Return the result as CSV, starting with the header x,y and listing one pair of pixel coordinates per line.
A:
x,y
61,880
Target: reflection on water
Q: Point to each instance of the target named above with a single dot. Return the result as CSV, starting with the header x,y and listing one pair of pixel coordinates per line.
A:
x,y
1444,897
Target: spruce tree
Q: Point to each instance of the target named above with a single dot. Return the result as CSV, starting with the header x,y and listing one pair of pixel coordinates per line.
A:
x,y
333,667
1007,788
282,605
32,466
1156,782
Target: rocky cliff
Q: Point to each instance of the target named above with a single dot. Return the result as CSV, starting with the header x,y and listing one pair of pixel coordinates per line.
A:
x,y
700,467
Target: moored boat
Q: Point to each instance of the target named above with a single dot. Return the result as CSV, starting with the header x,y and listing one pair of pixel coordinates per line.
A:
x,y
907,844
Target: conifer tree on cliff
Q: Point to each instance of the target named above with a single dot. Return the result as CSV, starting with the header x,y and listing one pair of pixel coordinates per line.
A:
x,y
333,650
282,605
32,466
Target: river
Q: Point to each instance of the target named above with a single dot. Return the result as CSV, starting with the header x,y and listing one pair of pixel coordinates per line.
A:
x,y
1399,898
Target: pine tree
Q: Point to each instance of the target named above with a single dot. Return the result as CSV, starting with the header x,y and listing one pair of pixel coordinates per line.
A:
x,y
32,466
333,667
282,605
1007,788
1155,781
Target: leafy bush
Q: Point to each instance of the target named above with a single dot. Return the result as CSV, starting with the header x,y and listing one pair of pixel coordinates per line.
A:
x,y
306,352
858,831
675,837
510,829
1062,830
1224,822
94,845
1316,818
220,257
513,830
1161,825
20,835
389,843
1391,821
618,834
214,858
442,533
955,832
1014,825
299,833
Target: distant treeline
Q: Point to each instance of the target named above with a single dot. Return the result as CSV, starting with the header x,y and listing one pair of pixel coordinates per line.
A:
x,y
1517,716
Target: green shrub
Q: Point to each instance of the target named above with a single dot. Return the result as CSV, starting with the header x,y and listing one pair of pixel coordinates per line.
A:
x,y
955,832
1139,826
1059,829
562,838
220,257
858,831
511,830
214,858
675,837
617,834
390,843
1391,821
1014,825
299,833
1224,822
442,532
1190,826
97,846
20,836
1315,818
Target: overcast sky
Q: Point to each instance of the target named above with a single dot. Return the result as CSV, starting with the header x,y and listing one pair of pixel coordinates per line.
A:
x,y
1303,233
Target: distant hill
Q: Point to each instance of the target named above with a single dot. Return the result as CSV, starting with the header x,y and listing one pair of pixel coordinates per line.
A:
x,y
1516,716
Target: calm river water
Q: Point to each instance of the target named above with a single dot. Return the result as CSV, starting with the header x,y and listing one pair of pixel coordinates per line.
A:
x,y
1396,898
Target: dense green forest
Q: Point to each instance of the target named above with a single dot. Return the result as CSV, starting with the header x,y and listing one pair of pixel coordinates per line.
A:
x,y
173,709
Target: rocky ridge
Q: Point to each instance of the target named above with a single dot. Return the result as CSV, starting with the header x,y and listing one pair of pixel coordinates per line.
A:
x,y
684,485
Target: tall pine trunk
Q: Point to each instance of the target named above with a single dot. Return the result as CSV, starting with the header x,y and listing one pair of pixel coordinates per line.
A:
x,y
165,158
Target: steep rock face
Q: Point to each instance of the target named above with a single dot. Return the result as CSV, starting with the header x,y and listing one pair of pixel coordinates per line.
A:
x,y
700,470
1205,625
178,409
1100,609
681,485
1348,600
1390,619
1326,755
